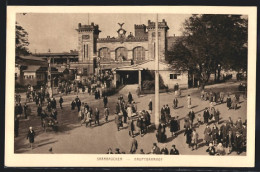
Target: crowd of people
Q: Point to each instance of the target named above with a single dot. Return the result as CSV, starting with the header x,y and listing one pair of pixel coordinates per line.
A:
x,y
230,135
154,150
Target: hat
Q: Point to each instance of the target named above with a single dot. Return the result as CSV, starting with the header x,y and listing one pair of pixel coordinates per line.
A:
x,y
173,146
210,144
154,144
117,149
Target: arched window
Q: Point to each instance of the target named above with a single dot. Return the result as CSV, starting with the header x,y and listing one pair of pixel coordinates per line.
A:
x,y
121,53
104,53
139,53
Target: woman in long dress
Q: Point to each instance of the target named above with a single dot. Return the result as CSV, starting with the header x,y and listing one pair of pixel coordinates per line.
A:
x,y
189,101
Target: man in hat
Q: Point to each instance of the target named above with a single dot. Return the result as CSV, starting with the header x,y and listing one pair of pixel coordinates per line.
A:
x,y
207,134
191,116
117,151
134,145
206,116
164,150
150,106
238,143
175,103
155,149
174,151
61,101
30,136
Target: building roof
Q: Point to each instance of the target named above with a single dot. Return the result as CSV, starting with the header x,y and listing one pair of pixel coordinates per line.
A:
x,y
32,68
31,57
148,65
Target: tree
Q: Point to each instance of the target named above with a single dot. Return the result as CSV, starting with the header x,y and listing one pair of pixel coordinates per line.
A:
x,y
209,43
21,40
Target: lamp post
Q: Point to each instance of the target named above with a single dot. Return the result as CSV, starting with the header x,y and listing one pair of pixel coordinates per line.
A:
x,y
157,95
49,77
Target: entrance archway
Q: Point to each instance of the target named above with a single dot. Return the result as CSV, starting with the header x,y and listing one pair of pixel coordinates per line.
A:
x,y
121,54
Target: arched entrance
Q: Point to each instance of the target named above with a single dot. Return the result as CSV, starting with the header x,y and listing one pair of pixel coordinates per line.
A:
x,y
121,54
139,53
104,53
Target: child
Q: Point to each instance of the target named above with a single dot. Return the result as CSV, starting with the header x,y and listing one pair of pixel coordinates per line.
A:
x,y
199,119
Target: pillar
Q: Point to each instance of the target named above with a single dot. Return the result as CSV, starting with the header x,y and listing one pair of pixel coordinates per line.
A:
x,y
157,96
114,81
140,79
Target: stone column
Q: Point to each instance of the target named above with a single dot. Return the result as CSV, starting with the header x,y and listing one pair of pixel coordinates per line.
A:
x,y
140,79
114,81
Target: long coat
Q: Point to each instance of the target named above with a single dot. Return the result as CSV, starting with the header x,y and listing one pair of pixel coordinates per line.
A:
x,y
173,126
30,136
188,133
150,105
207,134
134,146
206,116
194,137
228,102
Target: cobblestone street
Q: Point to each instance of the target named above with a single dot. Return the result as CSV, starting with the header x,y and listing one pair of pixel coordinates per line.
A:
x,y
72,138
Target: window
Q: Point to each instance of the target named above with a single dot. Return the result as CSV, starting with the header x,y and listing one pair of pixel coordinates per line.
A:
x,y
104,53
174,76
139,53
121,53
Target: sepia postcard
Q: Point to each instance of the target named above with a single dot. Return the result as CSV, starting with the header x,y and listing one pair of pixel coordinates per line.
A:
x,y
130,86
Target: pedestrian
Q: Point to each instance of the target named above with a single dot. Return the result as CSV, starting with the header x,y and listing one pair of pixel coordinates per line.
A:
x,y
220,149
118,121
167,114
164,150
216,117
129,111
131,127
219,137
39,110
173,126
30,136
78,103
16,127
207,134
206,116
106,112
134,145
230,141
96,116
199,120
214,132
224,131
189,101
20,110
194,139
141,151
163,114
188,135
150,106
211,150
191,116
221,97
109,151
161,136
117,151
124,114
174,151
105,100
238,143
117,108
73,104
228,102
61,101
130,98
175,103
25,109
155,149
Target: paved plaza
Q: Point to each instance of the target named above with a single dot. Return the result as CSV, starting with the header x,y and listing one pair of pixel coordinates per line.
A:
x,y
72,138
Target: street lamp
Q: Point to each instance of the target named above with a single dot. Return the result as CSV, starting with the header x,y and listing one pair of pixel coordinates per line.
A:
x,y
49,77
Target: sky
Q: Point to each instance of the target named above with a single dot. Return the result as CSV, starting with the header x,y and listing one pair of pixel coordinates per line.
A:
x,y
56,31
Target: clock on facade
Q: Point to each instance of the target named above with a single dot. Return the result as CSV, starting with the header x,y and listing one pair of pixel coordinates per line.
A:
x,y
85,36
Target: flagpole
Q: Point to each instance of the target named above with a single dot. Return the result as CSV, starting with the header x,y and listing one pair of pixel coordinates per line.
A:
x,y
157,98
